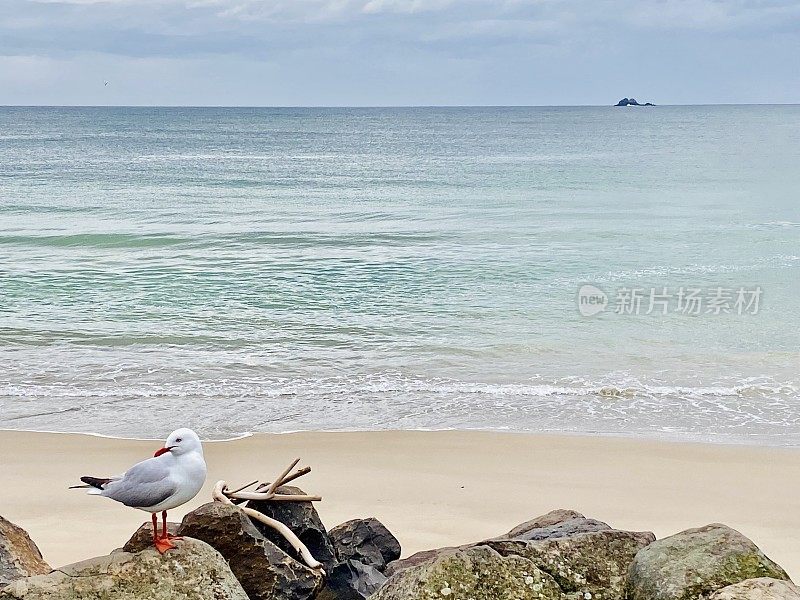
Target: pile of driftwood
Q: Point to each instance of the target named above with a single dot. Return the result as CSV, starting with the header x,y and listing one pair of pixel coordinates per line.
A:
x,y
268,492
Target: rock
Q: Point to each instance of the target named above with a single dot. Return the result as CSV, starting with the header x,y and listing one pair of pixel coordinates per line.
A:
x,y
192,571
19,556
421,558
554,517
632,102
142,538
584,557
556,524
762,588
591,564
366,541
264,570
477,573
303,520
695,563
352,580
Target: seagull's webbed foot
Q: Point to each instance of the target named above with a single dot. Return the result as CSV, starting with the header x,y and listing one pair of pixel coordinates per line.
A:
x,y
165,543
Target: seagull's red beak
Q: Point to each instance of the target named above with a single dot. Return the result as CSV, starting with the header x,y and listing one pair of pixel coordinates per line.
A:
x,y
161,451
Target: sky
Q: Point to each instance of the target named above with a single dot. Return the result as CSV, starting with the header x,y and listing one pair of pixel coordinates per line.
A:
x,y
398,52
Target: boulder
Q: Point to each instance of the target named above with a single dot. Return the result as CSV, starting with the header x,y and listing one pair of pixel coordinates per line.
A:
x,y
695,563
142,538
192,571
421,558
264,570
366,541
303,520
761,588
583,557
352,580
591,564
554,517
477,573
19,556
556,524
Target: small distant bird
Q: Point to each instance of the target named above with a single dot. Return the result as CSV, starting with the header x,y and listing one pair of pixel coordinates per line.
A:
x,y
174,475
105,83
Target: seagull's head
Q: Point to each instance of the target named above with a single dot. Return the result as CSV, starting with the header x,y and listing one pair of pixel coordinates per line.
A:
x,y
181,441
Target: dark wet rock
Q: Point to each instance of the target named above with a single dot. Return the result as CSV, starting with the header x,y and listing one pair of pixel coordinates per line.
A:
x,y
762,588
303,520
191,571
143,537
19,556
477,573
366,541
264,570
695,563
352,580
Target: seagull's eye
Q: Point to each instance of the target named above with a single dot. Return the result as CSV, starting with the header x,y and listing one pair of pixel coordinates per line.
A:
x,y
178,440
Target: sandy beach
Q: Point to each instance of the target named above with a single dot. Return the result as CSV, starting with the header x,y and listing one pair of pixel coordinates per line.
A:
x,y
430,488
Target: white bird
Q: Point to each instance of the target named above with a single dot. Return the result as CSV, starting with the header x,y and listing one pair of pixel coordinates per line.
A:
x,y
174,475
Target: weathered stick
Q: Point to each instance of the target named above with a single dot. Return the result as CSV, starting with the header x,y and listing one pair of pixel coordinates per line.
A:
x,y
244,487
268,496
277,482
285,480
219,495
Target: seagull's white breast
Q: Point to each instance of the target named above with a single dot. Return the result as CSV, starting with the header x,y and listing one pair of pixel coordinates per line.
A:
x,y
188,472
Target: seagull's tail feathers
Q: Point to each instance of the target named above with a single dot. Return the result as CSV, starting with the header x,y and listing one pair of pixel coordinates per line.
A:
x,y
96,484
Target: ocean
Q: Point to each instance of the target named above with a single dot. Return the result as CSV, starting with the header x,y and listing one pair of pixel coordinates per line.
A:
x,y
580,270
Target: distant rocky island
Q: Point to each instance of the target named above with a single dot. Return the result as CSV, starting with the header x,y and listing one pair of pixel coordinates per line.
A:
x,y
632,102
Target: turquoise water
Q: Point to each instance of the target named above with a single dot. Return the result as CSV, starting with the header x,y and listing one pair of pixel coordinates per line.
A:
x,y
240,270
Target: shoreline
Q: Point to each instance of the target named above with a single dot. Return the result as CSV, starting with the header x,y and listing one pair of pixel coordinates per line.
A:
x,y
666,439
431,489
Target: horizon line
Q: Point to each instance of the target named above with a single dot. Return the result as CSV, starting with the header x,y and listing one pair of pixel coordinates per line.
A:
x,y
376,106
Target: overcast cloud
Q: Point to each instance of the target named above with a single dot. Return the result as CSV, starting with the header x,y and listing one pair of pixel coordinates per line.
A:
x,y
398,52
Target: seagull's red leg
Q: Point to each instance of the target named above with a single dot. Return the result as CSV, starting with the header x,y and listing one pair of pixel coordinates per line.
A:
x,y
164,542
155,529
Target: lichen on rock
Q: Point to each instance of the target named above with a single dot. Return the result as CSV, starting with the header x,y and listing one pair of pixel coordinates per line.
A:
x,y
475,573
695,563
192,571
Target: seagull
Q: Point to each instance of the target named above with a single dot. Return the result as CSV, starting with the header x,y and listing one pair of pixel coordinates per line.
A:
x,y
174,475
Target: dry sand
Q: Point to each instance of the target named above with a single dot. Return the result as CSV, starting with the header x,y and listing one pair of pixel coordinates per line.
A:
x,y
430,488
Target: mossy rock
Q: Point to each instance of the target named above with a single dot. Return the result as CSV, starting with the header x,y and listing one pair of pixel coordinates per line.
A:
x,y
192,571
586,565
763,588
476,573
693,564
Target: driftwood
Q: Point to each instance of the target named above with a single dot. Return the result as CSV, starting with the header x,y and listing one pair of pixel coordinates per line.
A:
x,y
267,492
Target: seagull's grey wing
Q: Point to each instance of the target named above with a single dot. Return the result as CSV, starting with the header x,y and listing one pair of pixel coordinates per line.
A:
x,y
145,484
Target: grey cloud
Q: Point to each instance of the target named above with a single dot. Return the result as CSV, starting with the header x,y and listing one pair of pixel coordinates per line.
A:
x,y
406,51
